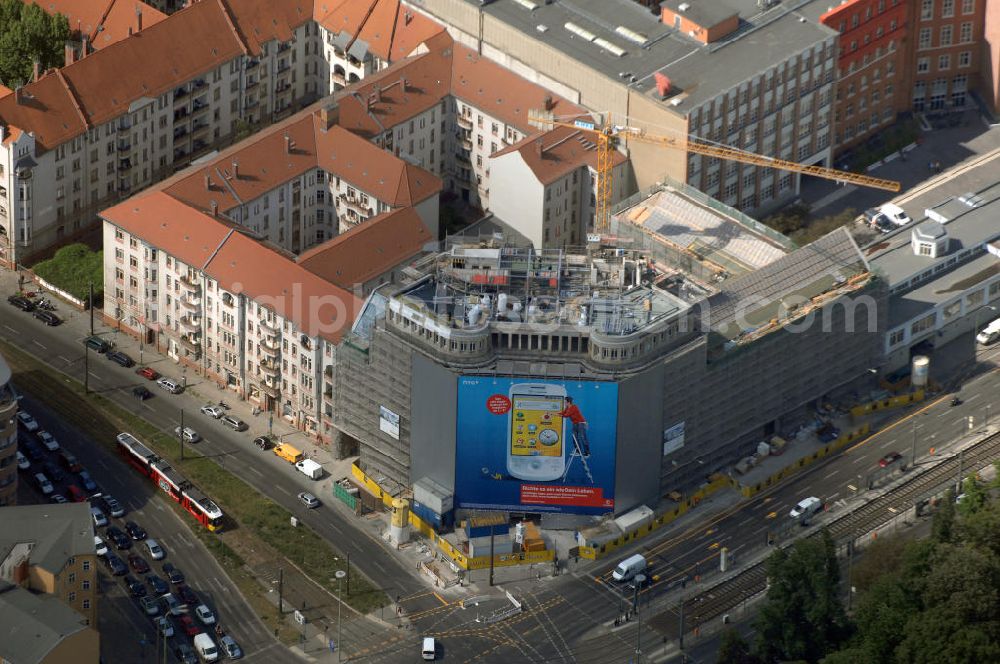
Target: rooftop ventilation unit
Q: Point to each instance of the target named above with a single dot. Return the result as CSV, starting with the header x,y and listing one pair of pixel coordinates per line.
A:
x,y
541,27
527,4
631,35
580,32
618,51
684,6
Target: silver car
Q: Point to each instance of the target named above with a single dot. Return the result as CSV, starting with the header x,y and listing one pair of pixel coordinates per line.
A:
x,y
190,435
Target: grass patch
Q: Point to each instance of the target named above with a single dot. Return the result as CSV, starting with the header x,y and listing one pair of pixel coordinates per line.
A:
x,y
260,525
73,269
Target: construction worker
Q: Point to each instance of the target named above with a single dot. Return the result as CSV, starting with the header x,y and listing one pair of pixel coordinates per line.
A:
x,y
572,411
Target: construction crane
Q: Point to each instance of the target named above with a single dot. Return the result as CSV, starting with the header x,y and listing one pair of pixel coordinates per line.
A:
x,y
608,135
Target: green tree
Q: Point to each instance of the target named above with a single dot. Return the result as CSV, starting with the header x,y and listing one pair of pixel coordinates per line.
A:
x,y
73,268
802,617
734,649
975,496
28,33
881,557
982,528
944,518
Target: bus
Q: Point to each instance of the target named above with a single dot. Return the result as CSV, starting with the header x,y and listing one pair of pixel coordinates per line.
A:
x,y
171,482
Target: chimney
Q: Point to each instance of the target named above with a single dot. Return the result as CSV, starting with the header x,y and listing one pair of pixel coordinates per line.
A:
x,y
288,144
36,70
215,208
84,47
138,18
18,95
538,148
130,31
236,170
549,102
328,116
208,183
407,17
69,53
402,83
662,84
377,93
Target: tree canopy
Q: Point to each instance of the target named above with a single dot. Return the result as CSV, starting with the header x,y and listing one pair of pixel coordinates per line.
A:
x,y
28,33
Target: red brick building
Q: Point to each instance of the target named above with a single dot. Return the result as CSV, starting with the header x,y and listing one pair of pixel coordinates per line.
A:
x,y
946,52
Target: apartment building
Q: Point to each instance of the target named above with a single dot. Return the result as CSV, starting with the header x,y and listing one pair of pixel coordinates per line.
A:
x,y
96,131
99,23
363,37
8,437
946,52
203,265
872,65
50,549
57,635
543,186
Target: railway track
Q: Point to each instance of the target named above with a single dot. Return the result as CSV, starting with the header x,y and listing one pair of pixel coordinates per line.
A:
x,y
728,594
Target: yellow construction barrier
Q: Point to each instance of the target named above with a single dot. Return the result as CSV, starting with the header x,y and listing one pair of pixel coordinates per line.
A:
x,y
799,464
509,559
716,482
371,485
891,402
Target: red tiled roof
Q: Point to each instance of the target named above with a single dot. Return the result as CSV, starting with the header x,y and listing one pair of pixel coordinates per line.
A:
x,y
555,153
4,91
240,264
369,249
102,21
390,30
263,163
260,21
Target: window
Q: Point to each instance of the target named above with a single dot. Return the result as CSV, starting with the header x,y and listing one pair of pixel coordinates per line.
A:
x,y
924,41
965,58
965,33
85,585
925,323
946,32
944,62
86,603
947,8
72,597
926,10
968,6
923,65
896,337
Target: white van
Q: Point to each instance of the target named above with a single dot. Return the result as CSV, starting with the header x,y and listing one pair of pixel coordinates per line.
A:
x,y
895,214
806,508
44,485
206,648
428,649
990,333
629,567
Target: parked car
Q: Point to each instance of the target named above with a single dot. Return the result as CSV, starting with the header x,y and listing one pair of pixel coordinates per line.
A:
x,y
33,450
47,317
148,373
48,440
68,461
827,433
230,647
171,605
22,461
204,614
188,625
186,595
157,585
185,654
135,531
115,508
138,563
895,214
213,411
98,344
53,471
120,358
309,500
99,546
21,302
889,459
141,393
174,575
165,627
135,586
44,485
190,435
263,442
25,419
234,423
58,498
156,551
97,515
85,479
120,539
883,225
115,564
76,494
169,385
150,605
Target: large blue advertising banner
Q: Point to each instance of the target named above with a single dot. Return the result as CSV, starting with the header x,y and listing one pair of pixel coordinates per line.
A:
x,y
536,445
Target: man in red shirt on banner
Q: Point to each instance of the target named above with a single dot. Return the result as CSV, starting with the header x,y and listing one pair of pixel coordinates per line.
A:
x,y
572,411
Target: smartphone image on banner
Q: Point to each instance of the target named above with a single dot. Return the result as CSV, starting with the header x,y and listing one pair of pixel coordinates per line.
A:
x,y
536,449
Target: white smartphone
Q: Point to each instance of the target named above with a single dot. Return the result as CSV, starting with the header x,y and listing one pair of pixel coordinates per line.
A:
x,y
536,449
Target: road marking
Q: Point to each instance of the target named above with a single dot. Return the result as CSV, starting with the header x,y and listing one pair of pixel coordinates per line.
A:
x,y
93,374
833,496
858,460
830,474
282,489
35,341
64,359
441,599
974,397
12,330
255,471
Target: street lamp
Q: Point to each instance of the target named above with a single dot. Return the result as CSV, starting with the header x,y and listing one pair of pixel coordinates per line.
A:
x,y
340,574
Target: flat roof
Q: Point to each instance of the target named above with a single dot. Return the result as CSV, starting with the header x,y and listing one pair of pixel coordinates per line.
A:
x,y
702,72
908,305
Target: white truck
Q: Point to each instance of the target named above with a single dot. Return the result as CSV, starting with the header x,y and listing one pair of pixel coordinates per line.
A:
x,y
310,469
206,648
628,568
990,333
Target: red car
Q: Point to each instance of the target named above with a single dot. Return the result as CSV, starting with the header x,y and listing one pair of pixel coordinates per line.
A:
x,y
889,459
188,625
148,373
138,563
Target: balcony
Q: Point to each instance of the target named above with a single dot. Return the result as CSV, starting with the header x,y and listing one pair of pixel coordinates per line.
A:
x,y
463,157
191,301
180,93
199,107
124,146
180,132
356,205
190,324
189,285
269,326
252,63
251,84
191,344
467,143
270,349
465,122
328,394
269,370
270,391
199,127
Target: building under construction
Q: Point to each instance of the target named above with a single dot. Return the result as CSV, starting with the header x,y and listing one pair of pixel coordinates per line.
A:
x,y
678,369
